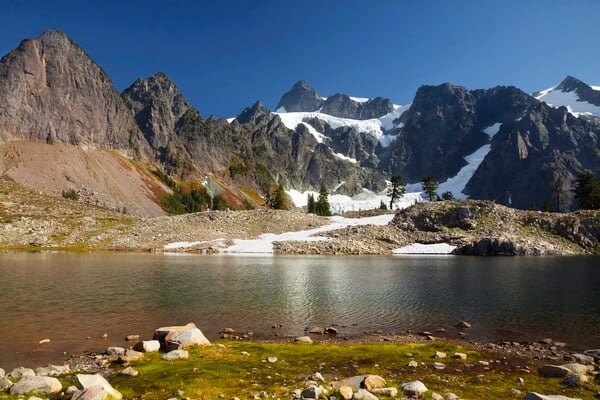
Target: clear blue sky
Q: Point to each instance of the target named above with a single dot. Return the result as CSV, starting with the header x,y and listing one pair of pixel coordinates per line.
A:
x,y
224,55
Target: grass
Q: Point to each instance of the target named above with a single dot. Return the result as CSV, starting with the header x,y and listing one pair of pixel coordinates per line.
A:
x,y
214,371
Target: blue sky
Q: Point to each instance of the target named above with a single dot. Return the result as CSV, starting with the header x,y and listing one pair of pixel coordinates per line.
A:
x,y
224,55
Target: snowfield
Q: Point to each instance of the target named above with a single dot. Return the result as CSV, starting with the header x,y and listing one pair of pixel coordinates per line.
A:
x,y
264,244
365,200
418,248
558,98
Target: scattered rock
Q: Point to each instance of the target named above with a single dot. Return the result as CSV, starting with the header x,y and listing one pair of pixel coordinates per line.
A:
x,y
560,371
373,382
547,341
346,392
2,373
131,338
131,356
318,377
450,396
70,390
53,370
464,325
147,346
575,380
436,396
36,384
228,331
104,336
439,354
459,356
303,339
95,387
331,330
176,355
388,392
412,364
44,341
20,372
130,372
515,392
363,394
115,351
272,359
439,366
34,398
317,330
309,394
414,388
583,359
5,383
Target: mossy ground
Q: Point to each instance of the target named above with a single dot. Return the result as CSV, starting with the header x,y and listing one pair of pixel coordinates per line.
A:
x,y
213,371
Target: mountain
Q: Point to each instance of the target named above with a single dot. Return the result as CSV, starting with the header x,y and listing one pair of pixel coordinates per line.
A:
x,y
52,91
577,96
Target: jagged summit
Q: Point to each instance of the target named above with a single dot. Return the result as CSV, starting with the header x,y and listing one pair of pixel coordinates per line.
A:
x,y
254,114
301,97
574,94
52,76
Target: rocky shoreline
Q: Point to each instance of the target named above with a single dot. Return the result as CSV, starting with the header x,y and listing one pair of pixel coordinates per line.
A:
x,y
87,376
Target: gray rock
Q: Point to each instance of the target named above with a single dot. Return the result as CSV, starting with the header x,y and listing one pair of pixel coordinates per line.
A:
x,y
440,354
310,393
593,353
5,383
412,364
34,398
70,390
148,346
560,371
439,365
272,360
318,377
131,356
2,373
373,382
95,387
450,396
176,355
388,391
301,97
130,372
53,370
414,388
514,392
459,356
318,330
575,380
303,339
436,396
20,372
115,351
537,396
583,359
346,392
363,394
36,384
357,382
181,336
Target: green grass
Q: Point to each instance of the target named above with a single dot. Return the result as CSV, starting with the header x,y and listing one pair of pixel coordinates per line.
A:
x,y
212,371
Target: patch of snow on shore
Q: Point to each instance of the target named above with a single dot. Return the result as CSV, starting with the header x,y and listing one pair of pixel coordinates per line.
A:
x,y
187,245
418,248
264,244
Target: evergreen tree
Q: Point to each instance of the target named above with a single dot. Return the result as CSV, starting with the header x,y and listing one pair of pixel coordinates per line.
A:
x,y
310,204
382,206
430,187
546,206
587,191
278,199
396,189
447,195
322,206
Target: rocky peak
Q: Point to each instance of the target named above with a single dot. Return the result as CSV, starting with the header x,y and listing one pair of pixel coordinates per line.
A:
x,y
254,114
571,84
50,90
157,105
301,97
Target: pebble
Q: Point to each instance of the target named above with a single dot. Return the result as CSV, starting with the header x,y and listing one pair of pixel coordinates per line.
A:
x,y
129,372
131,338
44,341
272,359
412,364
439,354
459,356
439,366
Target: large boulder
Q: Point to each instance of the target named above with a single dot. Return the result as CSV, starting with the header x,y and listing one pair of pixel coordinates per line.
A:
x,y
36,384
181,337
357,382
176,355
53,370
5,383
560,371
95,387
414,388
148,346
20,372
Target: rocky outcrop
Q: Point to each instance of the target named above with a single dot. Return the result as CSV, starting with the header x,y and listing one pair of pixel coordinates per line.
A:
x,y
301,97
341,105
52,91
537,158
582,90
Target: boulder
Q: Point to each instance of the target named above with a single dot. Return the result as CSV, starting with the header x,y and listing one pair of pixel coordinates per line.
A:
x,y
439,366
575,380
131,356
583,359
373,382
593,353
303,339
115,351
129,372
36,384
388,392
53,370
176,355
414,388
459,356
5,383
537,396
363,394
450,396
147,346
412,364
560,371
317,330
181,337
131,338
20,372
2,373
346,392
95,387
439,354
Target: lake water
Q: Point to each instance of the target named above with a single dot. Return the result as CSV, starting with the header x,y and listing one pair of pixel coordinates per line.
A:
x,y
68,297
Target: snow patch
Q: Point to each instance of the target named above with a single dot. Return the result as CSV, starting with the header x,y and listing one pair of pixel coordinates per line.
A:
x,y
570,100
187,245
281,109
343,157
365,200
418,248
457,183
492,129
230,120
360,99
596,88
264,244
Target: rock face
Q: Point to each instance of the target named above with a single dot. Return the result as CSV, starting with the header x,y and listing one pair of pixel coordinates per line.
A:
x,y
301,97
36,384
340,105
542,153
52,91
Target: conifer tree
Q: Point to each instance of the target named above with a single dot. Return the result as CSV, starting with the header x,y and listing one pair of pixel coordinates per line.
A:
x,y
430,187
587,191
322,207
396,189
310,204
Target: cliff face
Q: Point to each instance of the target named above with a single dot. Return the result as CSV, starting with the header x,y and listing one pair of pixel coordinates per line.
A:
x,y
52,91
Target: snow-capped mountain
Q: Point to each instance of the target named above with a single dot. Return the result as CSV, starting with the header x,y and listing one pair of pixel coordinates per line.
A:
x,y
577,96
